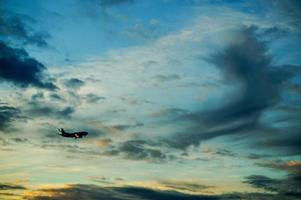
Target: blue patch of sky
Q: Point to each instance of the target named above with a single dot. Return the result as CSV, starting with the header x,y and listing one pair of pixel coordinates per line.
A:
x,y
76,33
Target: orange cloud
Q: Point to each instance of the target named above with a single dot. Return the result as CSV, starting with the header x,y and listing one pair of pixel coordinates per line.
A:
x,y
293,163
101,143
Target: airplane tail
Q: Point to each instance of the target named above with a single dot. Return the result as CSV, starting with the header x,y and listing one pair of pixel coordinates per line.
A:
x,y
62,131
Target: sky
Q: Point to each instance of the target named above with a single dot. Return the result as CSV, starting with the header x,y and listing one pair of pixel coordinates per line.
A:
x,y
182,99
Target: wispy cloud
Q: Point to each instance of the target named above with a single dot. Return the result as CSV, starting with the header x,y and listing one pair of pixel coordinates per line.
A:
x,y
7,115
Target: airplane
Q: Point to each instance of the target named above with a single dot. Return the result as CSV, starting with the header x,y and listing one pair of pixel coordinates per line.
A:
x,y
72,135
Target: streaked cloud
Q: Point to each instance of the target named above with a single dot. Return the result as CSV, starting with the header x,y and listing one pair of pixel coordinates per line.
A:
x,y
7,115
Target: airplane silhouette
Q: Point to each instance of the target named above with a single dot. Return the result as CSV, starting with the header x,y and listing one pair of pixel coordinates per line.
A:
x,y
72,135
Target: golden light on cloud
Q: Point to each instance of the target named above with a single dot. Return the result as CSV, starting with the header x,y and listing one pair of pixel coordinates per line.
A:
x,y
293,163
188,187
45,190
101,143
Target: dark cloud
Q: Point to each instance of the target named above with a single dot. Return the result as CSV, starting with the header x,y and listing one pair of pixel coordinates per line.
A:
x,y
123,127
282,141
9,186
7,115
34,109
37,96
132,100
263,182
144,193
271,33
20,140
138,150
11,190
99,179
57,97
74,83
93,192
169,77
246,62
289,186
96,192
185,186
256,156
17,27
93,98
21,69
225,152
8,194
290,9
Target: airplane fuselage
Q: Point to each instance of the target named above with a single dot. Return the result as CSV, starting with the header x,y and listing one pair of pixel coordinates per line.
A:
x,y
73,135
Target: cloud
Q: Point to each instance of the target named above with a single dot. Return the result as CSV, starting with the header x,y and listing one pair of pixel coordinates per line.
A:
x,y
256,156
123,127
101,143
56,97
34,109
283,140
22,70
74,83
290,9
7,115
93,192
289,186
264,182
132,100
291,166
169,77
185,186
17,27
244,62
20,140
37,96
138,150
220,152
11,190
3,142
9,186
93,98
